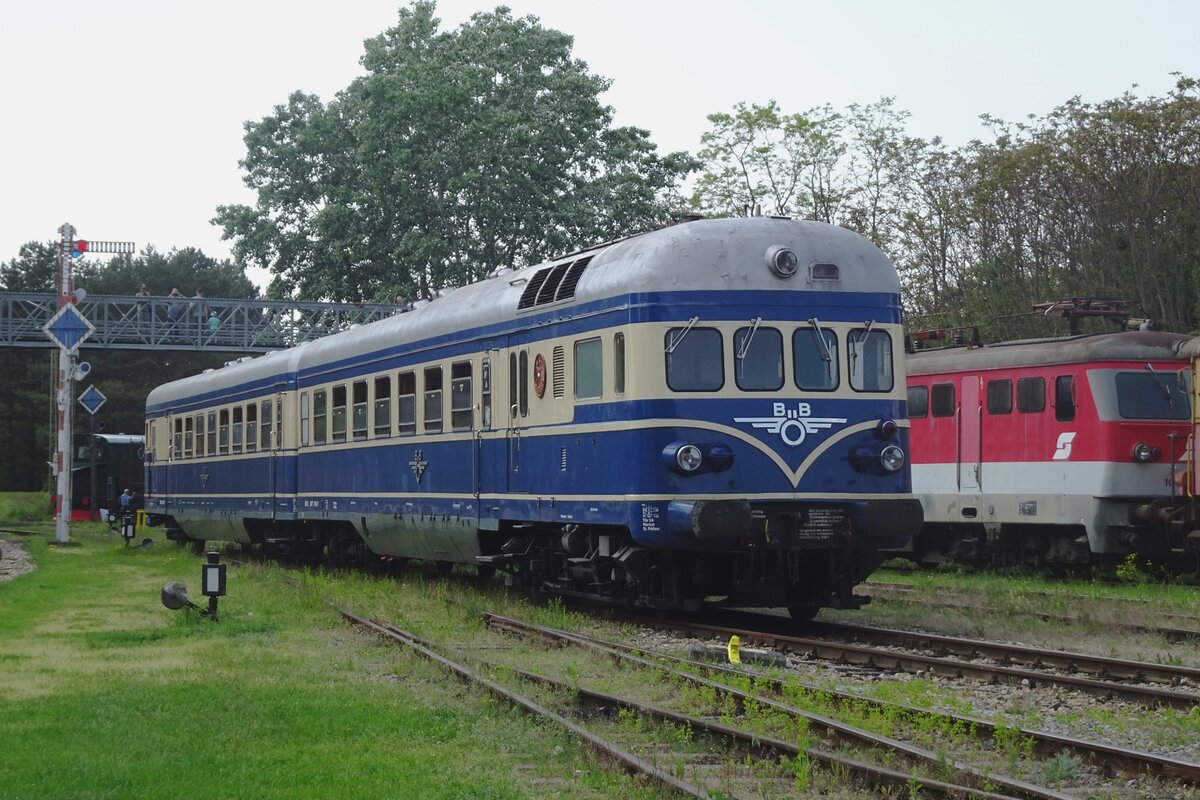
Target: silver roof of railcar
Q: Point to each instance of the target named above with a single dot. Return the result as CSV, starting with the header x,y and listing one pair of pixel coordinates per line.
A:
x,y
1118,346
702,255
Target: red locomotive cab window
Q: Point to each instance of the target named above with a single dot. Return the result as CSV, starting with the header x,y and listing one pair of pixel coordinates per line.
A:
x,y
1064,398
999,397
942,400
918,401
1031,395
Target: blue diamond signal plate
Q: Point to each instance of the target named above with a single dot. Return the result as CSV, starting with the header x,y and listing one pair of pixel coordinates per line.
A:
x,y
91,399
68,328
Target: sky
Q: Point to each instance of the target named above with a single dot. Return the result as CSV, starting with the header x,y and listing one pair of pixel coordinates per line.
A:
x,y
126,117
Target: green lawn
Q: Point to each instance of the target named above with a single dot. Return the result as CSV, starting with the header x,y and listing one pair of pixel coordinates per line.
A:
x,y
106,694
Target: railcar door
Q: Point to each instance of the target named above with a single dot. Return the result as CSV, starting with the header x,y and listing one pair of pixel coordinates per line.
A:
x,y
969,430
519,368
277,464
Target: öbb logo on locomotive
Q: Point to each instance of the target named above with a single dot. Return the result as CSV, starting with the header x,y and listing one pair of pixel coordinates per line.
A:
x,y
792,424
569,424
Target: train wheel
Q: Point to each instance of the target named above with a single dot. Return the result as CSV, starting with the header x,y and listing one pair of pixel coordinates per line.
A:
x,y
803,613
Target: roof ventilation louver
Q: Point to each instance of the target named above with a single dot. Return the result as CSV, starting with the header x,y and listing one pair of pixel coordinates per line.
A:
x,y
546,293
567,288
529,296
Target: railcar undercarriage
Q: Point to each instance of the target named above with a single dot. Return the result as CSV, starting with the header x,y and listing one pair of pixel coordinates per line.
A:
x,y
605,565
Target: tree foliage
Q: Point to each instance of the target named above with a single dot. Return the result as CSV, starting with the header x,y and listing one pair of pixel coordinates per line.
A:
x,y
457,153
1089,200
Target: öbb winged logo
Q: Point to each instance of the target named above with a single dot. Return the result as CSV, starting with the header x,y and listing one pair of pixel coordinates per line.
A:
x,y
792,424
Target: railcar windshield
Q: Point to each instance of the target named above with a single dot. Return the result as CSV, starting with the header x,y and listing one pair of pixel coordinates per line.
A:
x,y
870,360
1151,394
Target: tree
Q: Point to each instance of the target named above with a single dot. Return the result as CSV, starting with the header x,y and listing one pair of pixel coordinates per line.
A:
x,y
759,157
457,153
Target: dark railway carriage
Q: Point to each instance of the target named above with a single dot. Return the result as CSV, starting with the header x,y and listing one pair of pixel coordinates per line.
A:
x,y
116,462
1052,451
713,410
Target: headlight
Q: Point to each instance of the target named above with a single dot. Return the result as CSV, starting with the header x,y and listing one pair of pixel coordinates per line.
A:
x,y
1143,452
892,458
688,458
887,428
782,261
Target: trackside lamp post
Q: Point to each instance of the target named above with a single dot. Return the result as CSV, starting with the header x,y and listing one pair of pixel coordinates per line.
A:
x,y
212,581
213,575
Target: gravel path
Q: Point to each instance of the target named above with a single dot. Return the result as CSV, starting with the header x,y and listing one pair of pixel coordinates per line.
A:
x,y
14,560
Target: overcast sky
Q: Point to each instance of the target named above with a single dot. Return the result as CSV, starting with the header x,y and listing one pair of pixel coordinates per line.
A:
x,y
125,117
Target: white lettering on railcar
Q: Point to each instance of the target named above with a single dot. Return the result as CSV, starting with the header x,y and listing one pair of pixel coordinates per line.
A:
x,y
791,424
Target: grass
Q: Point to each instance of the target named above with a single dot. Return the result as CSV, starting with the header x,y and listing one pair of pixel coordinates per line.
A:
x,y
17,507
106,694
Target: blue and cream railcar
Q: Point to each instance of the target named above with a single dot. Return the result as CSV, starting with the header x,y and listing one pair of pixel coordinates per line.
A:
x,y
713,410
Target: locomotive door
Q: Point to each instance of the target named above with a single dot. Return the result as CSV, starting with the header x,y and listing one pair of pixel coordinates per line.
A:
x,y
969,432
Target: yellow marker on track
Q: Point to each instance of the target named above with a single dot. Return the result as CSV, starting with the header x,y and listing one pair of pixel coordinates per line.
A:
x,y
734,649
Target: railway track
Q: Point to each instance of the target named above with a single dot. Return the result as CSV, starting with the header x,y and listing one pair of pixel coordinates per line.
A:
x,y
1104,756
947,656
1180,627
697,777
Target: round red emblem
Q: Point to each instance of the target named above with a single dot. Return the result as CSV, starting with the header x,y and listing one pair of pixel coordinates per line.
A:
x,y
539,375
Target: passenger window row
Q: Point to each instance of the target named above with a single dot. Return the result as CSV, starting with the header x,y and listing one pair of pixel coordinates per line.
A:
x,y
226,431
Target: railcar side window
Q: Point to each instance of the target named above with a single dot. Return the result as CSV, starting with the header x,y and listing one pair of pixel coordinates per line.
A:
x,y
918,401
187,437
223,431
589,369
523,383
199,435
694,360
406,403
319,416
303,419
461,416
619,364
758,359
264,426
251,427
815,359
1151,395
211,433
337,414
485,388
999,397
383,406
177,442
237,429
870,354
1031,395
433,400
359,411
1064,398
941,400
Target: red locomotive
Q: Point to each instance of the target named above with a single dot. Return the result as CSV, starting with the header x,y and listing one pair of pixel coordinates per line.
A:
x,y
1055,452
